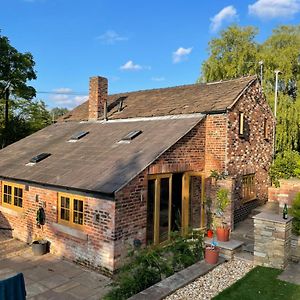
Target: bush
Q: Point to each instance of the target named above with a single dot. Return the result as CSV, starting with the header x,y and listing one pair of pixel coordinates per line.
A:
x,y
150,265
286,165
295,212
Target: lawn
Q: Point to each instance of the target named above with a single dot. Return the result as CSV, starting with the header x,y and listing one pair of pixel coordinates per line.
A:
x,y
261,284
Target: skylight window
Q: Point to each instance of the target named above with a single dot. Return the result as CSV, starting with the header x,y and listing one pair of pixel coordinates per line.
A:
x,y
39,157
130,136
77,136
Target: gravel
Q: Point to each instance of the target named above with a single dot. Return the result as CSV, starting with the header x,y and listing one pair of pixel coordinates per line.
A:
x,y
212,283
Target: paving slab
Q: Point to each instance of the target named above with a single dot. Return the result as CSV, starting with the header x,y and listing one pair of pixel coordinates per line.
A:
x,y
49,277
291,273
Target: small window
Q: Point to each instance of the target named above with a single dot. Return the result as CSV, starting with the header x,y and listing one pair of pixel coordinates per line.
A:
x,y
12,195
77,136
71,210
248,187
266,131
39,157
241,124
131,135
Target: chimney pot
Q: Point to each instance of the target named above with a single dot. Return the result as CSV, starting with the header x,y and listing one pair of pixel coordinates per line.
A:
x,y
97,97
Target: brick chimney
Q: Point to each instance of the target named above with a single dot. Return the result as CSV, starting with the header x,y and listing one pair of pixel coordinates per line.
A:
x,y
97,97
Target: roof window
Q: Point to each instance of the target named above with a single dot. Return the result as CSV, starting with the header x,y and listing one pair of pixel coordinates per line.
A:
x,y
130,136
38,158
77,136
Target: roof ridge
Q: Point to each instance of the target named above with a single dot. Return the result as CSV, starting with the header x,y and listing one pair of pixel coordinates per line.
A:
x,y
184,85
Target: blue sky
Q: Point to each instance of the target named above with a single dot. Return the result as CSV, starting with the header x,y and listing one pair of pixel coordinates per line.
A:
x,y
135,44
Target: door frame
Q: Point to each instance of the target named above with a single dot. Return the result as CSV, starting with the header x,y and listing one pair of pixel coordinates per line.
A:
x,y
186,199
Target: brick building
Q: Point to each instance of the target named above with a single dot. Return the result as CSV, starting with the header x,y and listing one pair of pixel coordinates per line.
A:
x,y
129,168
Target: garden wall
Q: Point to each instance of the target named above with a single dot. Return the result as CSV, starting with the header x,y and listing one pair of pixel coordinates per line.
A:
x,y
285,193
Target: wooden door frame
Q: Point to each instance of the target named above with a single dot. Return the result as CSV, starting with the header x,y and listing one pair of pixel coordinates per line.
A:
x,y
186,197
156,213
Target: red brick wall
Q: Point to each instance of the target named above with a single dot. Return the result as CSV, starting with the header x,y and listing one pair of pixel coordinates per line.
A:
x,y
96,250
252,154
286,193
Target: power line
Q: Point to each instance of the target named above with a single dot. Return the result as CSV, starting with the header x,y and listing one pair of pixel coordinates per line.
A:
x,y
63,93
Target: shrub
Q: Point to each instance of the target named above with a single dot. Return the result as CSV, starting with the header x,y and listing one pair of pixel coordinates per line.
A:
x,y
150,265
295,212
286,165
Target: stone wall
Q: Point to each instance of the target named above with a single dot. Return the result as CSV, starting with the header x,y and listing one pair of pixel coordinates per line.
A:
x,y
286,193
272,240
295,248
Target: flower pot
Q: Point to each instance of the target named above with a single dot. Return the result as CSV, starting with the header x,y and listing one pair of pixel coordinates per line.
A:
x,y
211,255
210,233
223,234
39,247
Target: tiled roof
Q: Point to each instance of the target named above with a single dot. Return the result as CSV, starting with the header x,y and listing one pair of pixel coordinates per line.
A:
x,y
194,98
96,162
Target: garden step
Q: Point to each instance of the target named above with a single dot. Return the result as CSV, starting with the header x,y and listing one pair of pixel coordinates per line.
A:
x,y
244,256
12,247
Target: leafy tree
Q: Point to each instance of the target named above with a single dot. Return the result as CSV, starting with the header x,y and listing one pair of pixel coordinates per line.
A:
x,y
15,70
57,112
236,53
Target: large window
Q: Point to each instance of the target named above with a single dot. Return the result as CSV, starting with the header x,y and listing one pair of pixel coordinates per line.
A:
x,y
12,195
70,210
248,187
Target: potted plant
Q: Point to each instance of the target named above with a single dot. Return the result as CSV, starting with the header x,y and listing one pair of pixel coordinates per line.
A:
x,y
222,229
212,253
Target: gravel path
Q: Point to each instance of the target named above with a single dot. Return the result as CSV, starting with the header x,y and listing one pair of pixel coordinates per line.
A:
x,y
212,283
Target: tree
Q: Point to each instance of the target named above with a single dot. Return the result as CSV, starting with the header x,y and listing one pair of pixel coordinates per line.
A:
x,y
236,53
15,70
57,112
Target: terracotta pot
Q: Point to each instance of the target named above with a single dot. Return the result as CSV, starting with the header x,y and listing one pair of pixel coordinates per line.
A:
x,y
210,233
211,255
223,234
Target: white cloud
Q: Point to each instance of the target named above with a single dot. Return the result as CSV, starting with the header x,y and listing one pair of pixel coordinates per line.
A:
x,y
181,54
111,37
158,78
62,90
227,14
269,9
131,66
69,101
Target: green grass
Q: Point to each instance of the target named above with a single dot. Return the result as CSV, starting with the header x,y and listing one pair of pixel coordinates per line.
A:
x,y
261,284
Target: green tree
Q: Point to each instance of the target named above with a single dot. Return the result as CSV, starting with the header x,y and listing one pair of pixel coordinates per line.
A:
x,y
15,70
57,112
236,53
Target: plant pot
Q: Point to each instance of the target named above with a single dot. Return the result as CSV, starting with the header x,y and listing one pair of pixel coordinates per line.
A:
x,y
223,234
210,233
39,247
211,255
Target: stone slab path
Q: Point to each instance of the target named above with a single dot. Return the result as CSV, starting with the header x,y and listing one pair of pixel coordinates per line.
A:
x,y
291,273
49,277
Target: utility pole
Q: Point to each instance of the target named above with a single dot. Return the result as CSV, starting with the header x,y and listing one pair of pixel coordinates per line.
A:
x,y
277,72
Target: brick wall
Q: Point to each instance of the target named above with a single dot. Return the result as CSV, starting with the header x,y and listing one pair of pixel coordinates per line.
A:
x,y
92,246
252,154
286,193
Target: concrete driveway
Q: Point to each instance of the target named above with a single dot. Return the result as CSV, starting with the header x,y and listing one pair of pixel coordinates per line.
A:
x,y
49,277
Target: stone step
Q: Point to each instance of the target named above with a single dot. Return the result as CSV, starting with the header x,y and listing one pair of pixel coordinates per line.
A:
x,y
244,256
12,248
248,248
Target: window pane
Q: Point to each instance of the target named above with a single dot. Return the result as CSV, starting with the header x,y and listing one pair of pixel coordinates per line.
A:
x,y
7,198
195,202
78,218
78,205
65,214
18,201
164,210
65,202
150,211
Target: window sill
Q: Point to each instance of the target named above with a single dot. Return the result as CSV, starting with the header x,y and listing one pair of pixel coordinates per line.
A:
x,y
70,231
11,211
